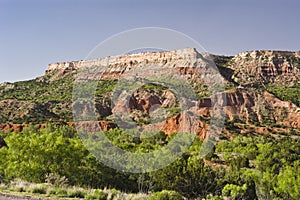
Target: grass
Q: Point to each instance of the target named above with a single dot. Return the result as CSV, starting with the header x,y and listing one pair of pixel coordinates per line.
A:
x,y
50,191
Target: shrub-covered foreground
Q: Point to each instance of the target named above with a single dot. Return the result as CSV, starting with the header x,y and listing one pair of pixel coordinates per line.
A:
x,y
260,167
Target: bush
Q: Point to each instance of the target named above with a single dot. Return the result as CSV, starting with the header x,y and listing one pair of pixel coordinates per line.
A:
x,y
61,192
76,194
3,186
166,195
234,191
212,197
20,189
56,180
98,195
39,190
113,193
51,191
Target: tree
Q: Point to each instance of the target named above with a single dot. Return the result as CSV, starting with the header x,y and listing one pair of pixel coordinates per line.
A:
x,y
188,175
288,184
234,191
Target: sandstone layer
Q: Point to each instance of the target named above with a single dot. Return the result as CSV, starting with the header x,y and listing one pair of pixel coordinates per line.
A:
x,y
242,80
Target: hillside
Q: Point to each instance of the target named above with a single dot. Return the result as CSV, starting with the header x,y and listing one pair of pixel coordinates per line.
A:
x,y
143,103
261,92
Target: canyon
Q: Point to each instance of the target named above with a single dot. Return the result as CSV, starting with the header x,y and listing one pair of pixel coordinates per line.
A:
x,y
244,80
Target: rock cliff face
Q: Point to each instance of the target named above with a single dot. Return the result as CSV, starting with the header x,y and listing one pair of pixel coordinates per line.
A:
x,y
124,63
246,100
262,67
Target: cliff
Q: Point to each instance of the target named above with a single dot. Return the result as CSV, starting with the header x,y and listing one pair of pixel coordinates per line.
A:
x,y
261,92
263,67
128,60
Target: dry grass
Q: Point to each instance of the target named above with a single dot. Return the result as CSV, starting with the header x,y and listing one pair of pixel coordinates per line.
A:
x,y
50,191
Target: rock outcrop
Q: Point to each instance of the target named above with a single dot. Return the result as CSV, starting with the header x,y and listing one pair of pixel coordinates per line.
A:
x,y
262,67
124,63
245,103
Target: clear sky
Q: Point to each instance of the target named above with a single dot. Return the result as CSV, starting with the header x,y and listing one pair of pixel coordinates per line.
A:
x,y
34,33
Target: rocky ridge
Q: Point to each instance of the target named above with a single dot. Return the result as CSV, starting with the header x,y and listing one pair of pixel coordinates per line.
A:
x,y
249,106
125,63
262,67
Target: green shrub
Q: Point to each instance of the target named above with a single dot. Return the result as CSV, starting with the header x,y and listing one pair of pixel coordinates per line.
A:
x,y
290,94
101,195
56,180
39,190
234,191
166,195
90,196
113,193
3,187
61,192
20,189
51,191
98,195
76,194
212,197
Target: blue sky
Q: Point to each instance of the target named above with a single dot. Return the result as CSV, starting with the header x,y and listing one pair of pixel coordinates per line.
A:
x,y
34,33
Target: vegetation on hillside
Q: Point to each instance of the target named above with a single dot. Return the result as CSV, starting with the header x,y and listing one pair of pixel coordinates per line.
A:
x,y
291,94
245,168
41,100
295,61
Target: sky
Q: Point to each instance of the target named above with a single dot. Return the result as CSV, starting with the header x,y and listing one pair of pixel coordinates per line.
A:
x,y
34,33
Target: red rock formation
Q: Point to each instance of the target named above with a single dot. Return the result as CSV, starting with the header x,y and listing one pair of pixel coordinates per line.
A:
x,y
264,66
243,103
